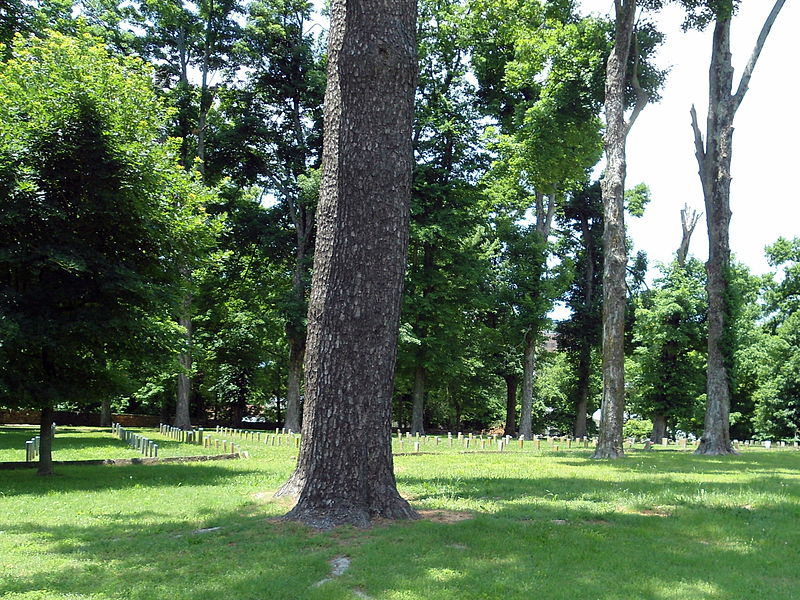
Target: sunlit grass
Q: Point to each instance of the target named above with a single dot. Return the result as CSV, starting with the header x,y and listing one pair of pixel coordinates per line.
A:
x,y
661,525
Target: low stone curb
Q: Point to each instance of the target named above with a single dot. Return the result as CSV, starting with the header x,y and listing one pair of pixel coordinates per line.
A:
x,y
10,466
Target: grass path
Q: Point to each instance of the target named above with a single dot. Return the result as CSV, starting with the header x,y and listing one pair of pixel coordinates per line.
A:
x,y
659,525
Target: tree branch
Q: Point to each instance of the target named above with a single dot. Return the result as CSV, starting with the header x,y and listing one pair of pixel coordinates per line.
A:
x,y
744,82
551,211
641,96
699,147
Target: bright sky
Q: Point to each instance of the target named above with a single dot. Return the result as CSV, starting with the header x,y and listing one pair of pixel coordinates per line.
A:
x,y
765,199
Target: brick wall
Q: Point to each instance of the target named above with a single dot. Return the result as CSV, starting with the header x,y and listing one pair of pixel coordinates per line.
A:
x,y
31,417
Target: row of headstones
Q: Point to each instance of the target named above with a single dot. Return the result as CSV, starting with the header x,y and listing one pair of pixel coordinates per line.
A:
x,y
144,445
501,443
33,444
766,444
212,442
198,436
281,437
186,436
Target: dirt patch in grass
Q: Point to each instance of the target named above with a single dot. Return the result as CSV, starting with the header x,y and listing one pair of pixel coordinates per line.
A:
x,y
655,511
268,497
445,516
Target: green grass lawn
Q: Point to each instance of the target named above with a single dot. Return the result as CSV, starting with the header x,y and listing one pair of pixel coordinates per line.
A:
x,y
533,524
91,443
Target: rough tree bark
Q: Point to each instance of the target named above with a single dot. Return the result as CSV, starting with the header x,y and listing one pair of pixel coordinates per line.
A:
x,y
609,444
714,161
345,473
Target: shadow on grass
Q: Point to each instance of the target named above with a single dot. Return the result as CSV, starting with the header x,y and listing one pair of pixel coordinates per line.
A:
x,y
650,537
667,460
96,478
14,438
554,552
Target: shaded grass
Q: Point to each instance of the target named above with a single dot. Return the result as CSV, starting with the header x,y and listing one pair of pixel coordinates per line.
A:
x,y
92,443
70,443
659,525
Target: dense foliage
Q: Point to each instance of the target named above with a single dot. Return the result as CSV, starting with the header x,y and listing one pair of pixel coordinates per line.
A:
x,y
114,128
94,215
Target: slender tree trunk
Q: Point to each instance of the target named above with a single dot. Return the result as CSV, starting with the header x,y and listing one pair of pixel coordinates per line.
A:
x,y
585,352
528,374
295,373
303,221
46,441
689,219
238,409
105,413
582,405
278,407
182,417
421,330
344,473
418,397
659,428
511,405
714,161
609,444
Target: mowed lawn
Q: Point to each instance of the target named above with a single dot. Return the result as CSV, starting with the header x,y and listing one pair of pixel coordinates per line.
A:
x,y
533,524
90,443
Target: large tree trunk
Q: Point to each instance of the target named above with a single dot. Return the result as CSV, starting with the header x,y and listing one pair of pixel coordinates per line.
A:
x,y
511,405
609,444
46,441
344,473
528,374
659,428
418,397
714,161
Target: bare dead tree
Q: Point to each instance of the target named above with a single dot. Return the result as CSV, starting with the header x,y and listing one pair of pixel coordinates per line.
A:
x,y
714,161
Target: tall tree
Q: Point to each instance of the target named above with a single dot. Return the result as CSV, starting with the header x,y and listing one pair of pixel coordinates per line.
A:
x,y
714,160
344,472
268,133
776,354
580,335
670,330
95,215
539,69
445,268
618,79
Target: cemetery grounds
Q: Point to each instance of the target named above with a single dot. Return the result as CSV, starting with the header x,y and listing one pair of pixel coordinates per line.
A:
x,y
531,522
